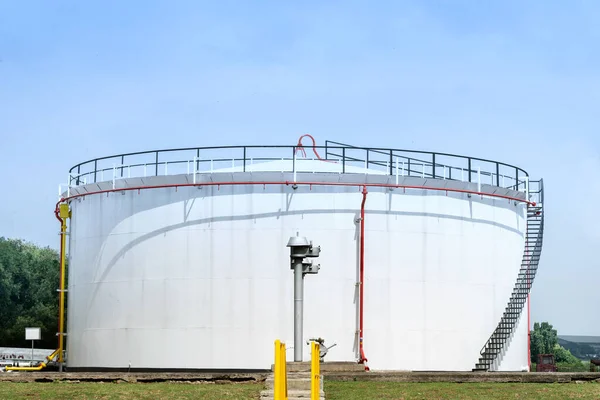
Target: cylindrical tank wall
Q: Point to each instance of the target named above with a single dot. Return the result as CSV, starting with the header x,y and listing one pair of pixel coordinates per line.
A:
x,y
200,278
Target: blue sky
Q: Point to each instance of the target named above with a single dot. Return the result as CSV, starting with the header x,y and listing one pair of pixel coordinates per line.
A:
x,y
509,80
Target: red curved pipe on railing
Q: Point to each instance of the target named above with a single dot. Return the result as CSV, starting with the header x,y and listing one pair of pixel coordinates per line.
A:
x,y
361,284
300,147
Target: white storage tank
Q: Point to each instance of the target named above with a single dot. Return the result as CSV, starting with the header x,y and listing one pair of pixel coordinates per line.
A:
x,y
178,259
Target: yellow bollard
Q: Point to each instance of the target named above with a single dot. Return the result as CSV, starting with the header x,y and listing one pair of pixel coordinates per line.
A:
x,y
315,372
284,390
280,384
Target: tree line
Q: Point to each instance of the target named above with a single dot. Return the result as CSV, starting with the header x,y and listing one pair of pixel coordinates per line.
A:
x,y
544,340
28,293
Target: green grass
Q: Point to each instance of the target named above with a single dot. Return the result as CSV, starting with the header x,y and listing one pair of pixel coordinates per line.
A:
x,y
154,391
451,391
582,366
333,390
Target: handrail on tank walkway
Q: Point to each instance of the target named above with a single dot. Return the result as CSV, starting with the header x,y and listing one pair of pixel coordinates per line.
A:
x,y
344,157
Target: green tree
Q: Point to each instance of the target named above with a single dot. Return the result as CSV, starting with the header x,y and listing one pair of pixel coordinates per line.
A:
x,y
543,340
562,355
28,282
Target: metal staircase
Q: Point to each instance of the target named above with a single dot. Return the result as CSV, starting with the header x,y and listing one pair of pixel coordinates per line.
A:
x,y
529,265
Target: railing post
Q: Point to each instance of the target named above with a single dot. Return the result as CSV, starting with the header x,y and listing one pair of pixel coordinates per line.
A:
x,y
197,159
156,163
391,163
122,162
294,163
433,164
194,168
315,372
244,159
408,167
469,174
497,174
517,178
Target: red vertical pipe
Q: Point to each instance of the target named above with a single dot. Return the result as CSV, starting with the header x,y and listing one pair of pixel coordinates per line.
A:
x,y
528,304
528,332
361,287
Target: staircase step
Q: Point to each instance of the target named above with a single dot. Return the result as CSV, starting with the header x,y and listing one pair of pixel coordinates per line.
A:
x,y
328,366
295,381
292,395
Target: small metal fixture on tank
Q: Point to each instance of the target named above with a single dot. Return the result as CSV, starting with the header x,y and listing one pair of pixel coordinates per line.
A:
x,y
300,250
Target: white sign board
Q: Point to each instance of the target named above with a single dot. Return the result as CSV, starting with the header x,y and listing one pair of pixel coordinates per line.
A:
x,y
33,333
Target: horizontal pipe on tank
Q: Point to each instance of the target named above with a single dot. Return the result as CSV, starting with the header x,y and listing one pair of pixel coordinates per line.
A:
x,y
310,184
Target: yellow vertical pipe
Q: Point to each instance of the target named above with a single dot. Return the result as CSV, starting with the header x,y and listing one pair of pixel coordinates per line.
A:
x,y
315,372
64,214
